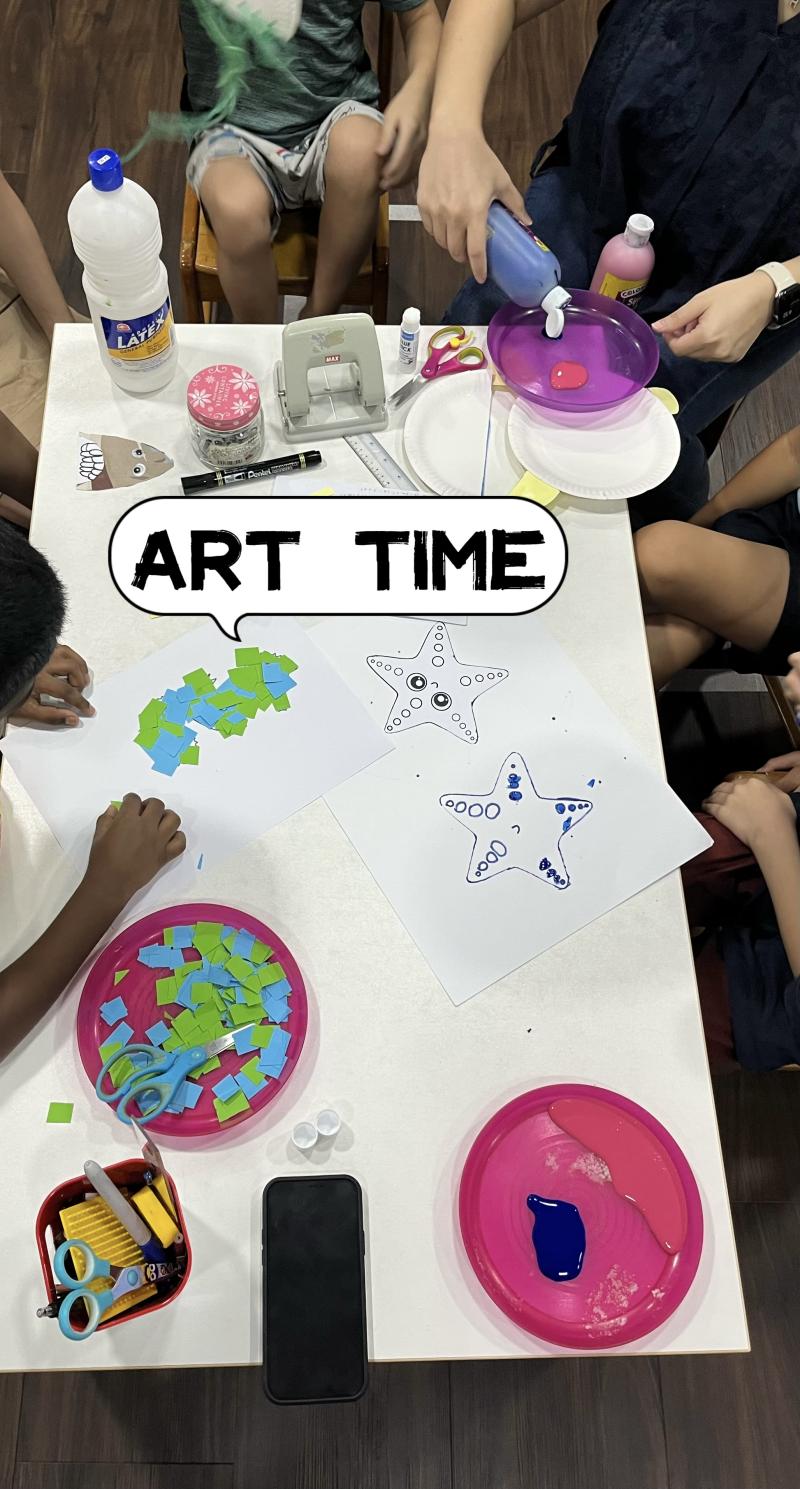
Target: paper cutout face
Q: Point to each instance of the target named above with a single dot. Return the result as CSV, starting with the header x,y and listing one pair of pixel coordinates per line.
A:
x,y
515,828
109,461
434,687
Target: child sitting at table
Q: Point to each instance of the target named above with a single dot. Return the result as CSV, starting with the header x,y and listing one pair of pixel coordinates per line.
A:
x,y
731,573
743,903
309,135
130,844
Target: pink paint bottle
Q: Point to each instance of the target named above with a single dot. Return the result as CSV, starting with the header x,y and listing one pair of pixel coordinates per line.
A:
x,y
626,263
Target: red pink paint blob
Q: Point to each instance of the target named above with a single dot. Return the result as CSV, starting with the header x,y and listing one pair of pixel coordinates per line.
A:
x,y
567,377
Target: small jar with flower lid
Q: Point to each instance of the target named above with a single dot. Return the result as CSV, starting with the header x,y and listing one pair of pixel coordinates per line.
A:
x,y
226,420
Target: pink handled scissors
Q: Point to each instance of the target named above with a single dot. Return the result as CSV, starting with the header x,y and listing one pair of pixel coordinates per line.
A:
x,y
449,350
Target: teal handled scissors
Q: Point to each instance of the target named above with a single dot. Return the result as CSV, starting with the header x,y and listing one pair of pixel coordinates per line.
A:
x,y
154,1083
123,1280
450,350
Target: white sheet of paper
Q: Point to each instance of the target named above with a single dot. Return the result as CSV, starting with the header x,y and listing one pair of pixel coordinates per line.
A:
x,y
543,725
241,787
452,620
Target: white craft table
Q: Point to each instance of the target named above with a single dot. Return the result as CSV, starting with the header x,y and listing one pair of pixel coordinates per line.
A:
x,y
413,1077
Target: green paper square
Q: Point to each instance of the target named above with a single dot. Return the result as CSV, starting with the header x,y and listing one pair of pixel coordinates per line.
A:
x,y
287,664
240,1014
260,953
237,728
247,656
249,707
262,1035
246,677
252,995
186,1025
218,956
147,736
60,1111
152,713
223,727
120,1071
226,698
169,936
265,702
229,940
273,972
239,968
191,756
166,990
281,704
212,1064
118,976
174,1042
227,1109
176,729
200,681
252,1071
179,973
202,992
109,1048
208,928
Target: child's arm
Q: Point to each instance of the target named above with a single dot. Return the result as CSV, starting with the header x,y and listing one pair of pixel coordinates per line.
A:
x,y
766,478
130,845
24,260
764,819
405,127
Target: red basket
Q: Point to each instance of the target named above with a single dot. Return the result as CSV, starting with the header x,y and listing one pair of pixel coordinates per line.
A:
x,y
130,1174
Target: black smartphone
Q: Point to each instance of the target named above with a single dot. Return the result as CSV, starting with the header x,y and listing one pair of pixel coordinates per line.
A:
x,y
315,1330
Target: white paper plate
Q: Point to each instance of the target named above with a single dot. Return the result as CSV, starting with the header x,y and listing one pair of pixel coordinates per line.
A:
x,y
610,456
446,430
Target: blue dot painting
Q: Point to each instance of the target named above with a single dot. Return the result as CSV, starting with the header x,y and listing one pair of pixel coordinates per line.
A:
x,y
559,1238
514,827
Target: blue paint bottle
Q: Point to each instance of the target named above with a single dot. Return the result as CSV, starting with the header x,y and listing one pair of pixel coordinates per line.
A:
x,y
524,268
559,1238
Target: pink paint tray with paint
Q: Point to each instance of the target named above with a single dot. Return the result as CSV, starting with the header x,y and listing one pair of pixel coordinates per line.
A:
x,y
180,978
605,355
637,1197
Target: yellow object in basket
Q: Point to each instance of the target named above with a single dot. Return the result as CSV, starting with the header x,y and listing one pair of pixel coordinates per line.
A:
x,y
93,1222
155,1214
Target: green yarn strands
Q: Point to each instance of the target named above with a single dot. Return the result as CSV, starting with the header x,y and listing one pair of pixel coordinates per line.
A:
x,y
240,40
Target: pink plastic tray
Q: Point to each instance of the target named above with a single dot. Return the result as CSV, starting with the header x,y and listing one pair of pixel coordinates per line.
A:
x,y
628,1285
138,991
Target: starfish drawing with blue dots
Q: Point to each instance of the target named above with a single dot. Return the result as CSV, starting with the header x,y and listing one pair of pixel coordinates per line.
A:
x,y
513,827
433,687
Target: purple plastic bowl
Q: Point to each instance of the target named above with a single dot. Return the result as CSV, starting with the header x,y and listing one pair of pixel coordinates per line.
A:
x,y
614,345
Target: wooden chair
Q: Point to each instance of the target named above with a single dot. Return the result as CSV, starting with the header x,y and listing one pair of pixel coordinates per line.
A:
x,y
774,686
295,246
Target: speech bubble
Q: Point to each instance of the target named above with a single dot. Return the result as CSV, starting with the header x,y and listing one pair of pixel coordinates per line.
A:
x,y
336,556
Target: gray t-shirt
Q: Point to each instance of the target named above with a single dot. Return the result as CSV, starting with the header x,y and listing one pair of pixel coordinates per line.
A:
x,y
329,65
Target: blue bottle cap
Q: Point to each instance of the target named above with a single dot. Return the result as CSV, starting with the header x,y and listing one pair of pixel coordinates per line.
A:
x,y
105,170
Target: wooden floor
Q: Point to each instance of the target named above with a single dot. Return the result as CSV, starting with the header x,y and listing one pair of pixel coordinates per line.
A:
x,y
78,73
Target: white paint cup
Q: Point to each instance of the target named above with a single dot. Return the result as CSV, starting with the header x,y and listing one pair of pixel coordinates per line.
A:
x,y
304,1136
328,1123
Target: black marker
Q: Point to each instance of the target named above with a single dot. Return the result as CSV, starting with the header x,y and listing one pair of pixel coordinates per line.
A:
x,y
281,467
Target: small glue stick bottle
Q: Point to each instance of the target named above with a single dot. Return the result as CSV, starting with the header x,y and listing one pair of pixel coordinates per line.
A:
x,y
409,337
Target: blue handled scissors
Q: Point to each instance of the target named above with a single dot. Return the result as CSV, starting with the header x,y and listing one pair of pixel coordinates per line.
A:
x,y
158,1077
123,1280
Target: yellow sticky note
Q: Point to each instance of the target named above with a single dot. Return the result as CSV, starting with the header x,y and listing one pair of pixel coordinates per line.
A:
x,y
498,385
535,490
668,399
326,491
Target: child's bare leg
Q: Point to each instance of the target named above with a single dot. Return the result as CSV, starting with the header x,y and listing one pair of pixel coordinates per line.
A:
x,y
18,460
240,210
697,584
349,212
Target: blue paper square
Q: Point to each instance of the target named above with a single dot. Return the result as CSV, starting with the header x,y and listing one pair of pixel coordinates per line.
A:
x,y
165,764
190,1093
250,1088
272,1065
278,687
234,716
276,1009
176,709
226,1088
161,956
157,1033
243,945
205,713
115,1009
272,671
279,1042
280,989
123,1034
243,1041
183,935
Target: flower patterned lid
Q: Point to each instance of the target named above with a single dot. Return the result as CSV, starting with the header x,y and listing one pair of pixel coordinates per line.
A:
x,y
223,397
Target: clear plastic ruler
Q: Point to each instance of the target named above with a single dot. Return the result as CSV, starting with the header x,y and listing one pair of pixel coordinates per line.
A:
x,y
379,462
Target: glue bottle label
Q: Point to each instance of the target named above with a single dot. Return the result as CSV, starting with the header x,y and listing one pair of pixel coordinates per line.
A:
x,y
629,291
146,339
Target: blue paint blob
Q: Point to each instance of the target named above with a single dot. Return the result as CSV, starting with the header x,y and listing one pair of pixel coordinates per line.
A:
x,y
590,783
560,807
559,1238
515,796
572,806
545,864
566,824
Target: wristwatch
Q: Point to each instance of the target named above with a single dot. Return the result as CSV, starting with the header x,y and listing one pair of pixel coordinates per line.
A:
x,y
787,295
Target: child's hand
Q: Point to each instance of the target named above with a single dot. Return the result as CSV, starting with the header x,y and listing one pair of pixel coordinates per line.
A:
x,y
789,766
721,324
65,677
402,141
753,810
131,843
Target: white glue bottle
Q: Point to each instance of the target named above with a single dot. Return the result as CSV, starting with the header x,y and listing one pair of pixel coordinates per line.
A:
x,y
409,337
116,233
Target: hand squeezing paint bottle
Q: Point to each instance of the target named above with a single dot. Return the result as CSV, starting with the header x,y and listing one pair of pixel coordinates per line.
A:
x,y
116,233
524,268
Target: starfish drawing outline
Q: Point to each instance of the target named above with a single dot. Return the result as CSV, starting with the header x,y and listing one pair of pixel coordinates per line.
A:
x,y
513,827
433,687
